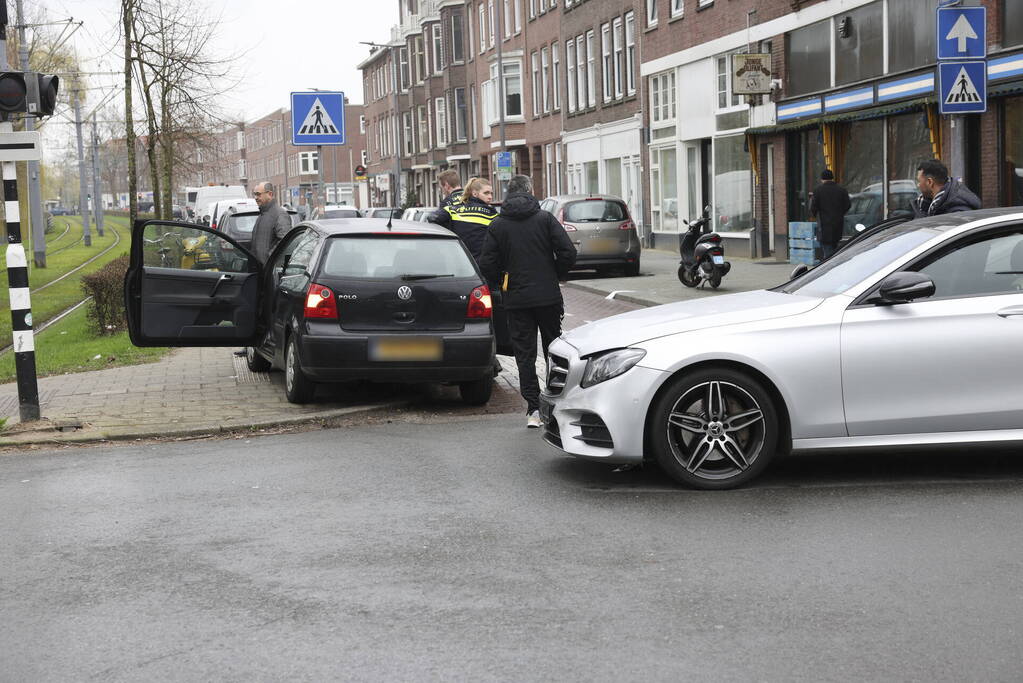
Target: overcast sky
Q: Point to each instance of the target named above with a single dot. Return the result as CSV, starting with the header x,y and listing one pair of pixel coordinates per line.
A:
x,y
291,45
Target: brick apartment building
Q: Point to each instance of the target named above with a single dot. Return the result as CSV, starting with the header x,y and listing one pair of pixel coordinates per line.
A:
x,y
635,98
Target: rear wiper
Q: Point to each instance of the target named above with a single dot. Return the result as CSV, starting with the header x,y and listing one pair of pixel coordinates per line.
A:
x,y
424,276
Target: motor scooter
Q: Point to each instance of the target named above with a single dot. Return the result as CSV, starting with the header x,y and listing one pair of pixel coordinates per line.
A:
x,y
703,254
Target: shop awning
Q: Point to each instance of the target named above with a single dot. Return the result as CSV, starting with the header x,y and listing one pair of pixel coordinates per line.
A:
x,y
1005,89
856,115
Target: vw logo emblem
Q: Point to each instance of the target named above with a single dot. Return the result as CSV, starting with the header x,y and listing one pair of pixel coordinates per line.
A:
x,y
404,292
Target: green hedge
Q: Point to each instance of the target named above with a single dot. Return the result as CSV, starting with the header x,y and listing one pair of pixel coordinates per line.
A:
x,y
106,287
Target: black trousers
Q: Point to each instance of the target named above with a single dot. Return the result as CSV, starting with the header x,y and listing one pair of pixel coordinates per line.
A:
x,y
523,324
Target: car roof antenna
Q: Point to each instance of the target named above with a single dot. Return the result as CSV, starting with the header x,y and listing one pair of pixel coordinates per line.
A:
x,y
389,217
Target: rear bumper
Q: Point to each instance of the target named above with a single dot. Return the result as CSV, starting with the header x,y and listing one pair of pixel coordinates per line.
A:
x,y
331,358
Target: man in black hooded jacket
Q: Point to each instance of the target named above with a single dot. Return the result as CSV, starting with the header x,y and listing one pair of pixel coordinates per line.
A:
x,y
940,194
530,248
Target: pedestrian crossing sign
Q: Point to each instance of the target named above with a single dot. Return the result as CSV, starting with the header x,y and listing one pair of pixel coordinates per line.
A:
x,y
318,118
962,87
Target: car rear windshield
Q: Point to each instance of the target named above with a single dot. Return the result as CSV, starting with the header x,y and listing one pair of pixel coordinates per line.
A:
x,y
596,211
241,224
341,213
388,257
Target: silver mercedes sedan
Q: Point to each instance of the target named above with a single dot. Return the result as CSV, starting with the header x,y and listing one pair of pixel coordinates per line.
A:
x,y
910,336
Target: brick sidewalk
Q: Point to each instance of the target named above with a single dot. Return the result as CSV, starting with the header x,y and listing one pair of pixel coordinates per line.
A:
x,y
204,390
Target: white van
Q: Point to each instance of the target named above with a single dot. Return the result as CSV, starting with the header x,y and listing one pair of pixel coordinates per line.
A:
x,y
207,196
218,210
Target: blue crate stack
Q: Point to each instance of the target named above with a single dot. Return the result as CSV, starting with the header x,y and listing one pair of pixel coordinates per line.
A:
x,y
803,242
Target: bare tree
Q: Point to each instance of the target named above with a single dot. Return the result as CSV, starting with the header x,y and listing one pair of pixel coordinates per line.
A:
x,y
179,77
128,21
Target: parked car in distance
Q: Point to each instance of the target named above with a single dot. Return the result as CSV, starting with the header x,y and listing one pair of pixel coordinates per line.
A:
x,y
239,224
219,209
382,212
60,211
908,337
601,229
338,300
336,211
419,214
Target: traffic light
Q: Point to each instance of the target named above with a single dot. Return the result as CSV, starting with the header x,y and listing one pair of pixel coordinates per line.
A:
x,y
48,85
15,93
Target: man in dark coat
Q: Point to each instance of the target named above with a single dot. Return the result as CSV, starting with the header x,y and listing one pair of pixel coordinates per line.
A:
x,y
529,247
940,194
829,205
271,226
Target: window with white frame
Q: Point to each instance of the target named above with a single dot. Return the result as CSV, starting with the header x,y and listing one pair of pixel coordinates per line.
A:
x,y
534,60
570,74
512,91
440,105
677,8
409,146
619,57
580,63
429,127
532,9
557,165
545,69
423,128
605,51
418,58
472,111
662,96
483,28
438,50
543,6
308,162
651,12
518,17
507,18
460,114
705,3
591,74
630,53
548,156
468,32
457,47
493,22
556,75
726,99
403,62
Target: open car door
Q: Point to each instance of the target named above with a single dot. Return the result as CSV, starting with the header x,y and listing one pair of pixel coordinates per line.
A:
x,y
189,285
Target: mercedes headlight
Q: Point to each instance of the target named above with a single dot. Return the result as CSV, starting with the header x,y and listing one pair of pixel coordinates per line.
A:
x,y
604,366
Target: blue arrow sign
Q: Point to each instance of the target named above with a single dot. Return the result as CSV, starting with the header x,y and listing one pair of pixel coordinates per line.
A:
x,y
962,32
962,87
317,118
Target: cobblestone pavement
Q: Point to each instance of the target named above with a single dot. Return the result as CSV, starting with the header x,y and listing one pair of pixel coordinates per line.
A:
x,y
208,390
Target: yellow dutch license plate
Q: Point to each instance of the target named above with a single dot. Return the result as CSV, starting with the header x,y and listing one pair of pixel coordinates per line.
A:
x,y
603,245
407,348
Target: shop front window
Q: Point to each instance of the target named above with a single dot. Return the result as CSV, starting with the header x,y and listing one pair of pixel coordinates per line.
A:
x,y
806,154
911,34
592,177
1012,175
909,143
861,172
858,48
613,173
733,197
1012,32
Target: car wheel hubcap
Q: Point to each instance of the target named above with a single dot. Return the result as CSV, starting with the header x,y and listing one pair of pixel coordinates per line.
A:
x,y
716,430
289,370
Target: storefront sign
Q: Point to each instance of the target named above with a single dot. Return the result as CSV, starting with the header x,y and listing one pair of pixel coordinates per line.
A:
x,y
751,74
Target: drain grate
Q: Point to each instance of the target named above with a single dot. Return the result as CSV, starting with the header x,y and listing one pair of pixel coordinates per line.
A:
x,y
246,376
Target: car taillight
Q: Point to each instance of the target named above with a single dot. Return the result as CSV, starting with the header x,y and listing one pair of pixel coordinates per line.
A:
x,y
320,303
480,305
627,225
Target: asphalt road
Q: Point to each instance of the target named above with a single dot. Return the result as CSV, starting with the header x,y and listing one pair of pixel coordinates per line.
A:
x,y
468,550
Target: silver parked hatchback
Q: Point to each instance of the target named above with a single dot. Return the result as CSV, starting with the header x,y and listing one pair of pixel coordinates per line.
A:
x,y
601,229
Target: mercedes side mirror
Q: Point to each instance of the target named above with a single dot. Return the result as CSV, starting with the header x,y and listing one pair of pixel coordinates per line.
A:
x,y
905,286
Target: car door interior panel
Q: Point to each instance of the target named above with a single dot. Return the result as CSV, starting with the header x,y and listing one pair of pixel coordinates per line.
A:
x,y
189,305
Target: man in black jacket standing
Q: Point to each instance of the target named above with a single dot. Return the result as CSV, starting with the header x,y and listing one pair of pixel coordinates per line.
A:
x,y
829,205
530,248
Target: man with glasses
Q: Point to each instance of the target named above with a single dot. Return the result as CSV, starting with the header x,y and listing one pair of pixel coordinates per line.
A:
x,y
271,226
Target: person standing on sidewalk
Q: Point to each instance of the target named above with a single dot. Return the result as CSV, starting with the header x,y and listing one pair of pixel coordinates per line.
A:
x,y
829,205
470,217
940,194
528,252
451,188
271,226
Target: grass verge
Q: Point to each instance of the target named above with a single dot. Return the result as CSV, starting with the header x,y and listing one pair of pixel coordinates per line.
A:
x,y
70,345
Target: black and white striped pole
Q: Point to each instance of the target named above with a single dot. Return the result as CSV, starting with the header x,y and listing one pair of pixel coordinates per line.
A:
x,y
17,281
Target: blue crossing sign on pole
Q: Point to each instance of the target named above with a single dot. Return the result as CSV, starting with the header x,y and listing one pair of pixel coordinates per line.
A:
x,y
318,118
962,33
962,87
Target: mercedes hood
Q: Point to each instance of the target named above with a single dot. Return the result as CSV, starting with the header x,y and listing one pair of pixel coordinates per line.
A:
x,y
626,329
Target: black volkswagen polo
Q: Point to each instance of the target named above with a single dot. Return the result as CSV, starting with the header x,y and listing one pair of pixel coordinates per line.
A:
x,y
340,299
